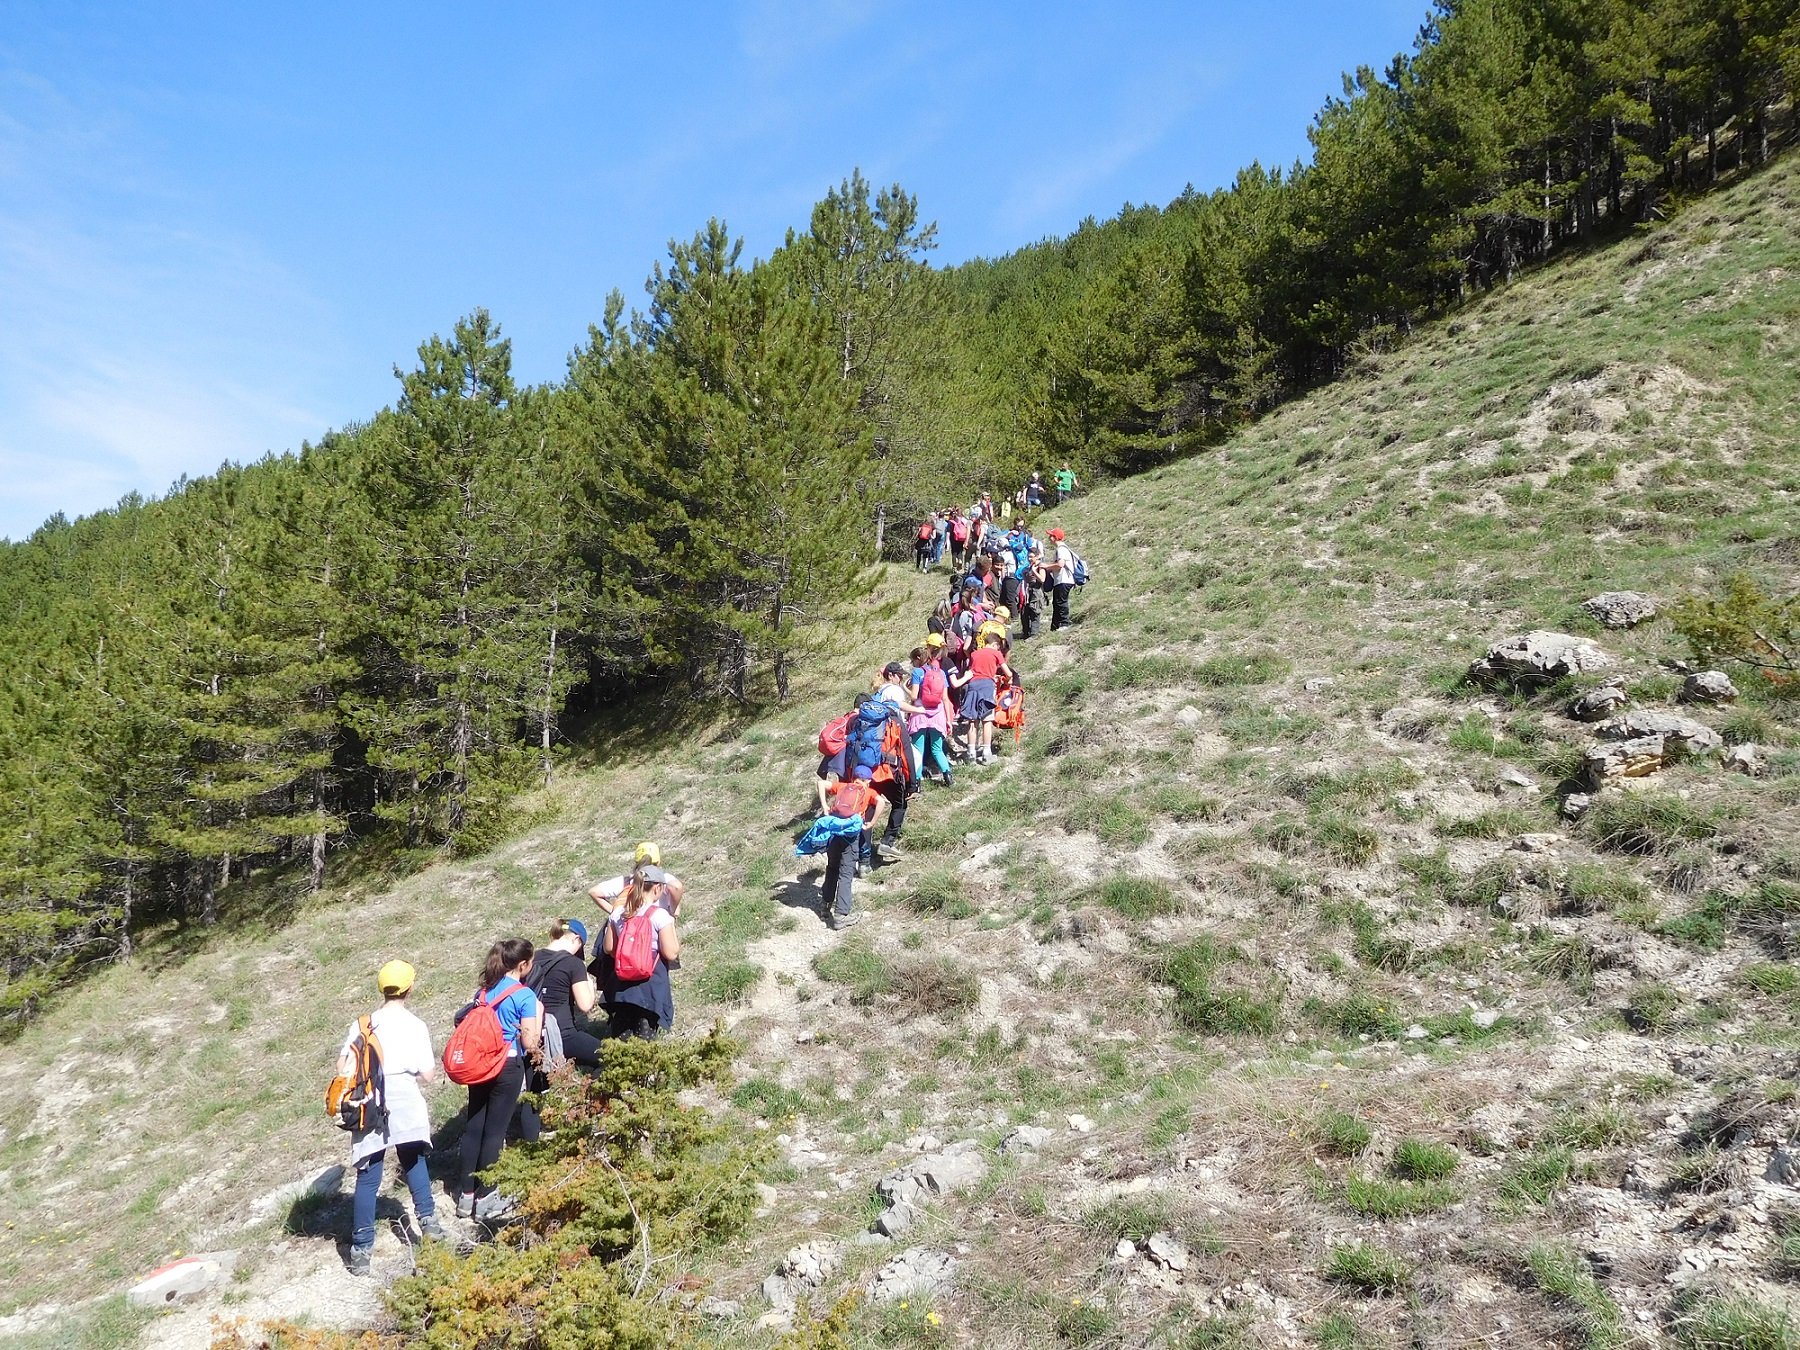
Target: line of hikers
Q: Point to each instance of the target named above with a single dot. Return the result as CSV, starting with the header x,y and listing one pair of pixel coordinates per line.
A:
x,y
966,532
945,702
521,1023
527,1013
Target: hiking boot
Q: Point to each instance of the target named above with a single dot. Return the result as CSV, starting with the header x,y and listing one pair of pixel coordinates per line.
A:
x,y
431,1229
862,869
839,922
948,781
465,1205
359,1260
493,1206
890,850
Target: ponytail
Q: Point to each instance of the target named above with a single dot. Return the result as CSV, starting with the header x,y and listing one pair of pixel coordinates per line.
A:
x,y
503,956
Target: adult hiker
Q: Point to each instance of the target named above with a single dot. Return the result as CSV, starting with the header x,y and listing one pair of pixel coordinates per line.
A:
x,y
1034,491
939,622
561,980
606,894
923,541
942,519
878,743
977,684
1031,582
930,726
407,1064
641,939
1065,484
1059,574
959,540
849,818
492,1104
965,617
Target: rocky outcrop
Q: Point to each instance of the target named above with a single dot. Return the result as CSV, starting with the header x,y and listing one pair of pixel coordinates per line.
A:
x,y
918,1272
1537,657
1620,609
908,1188
1680,735
1611,761
1601,702
803,1270
1745,759
1708,686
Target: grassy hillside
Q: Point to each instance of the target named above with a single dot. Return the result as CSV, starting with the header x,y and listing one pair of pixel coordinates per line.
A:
x,y
1401,1054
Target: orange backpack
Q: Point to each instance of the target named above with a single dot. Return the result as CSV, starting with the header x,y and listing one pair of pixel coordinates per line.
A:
x,y
1009,708
356,1098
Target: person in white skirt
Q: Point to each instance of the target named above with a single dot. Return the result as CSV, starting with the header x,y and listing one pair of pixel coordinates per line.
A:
x,y
407,1064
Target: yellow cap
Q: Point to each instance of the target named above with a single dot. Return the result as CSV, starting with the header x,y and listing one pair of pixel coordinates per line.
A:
x,y
1002,612
396,977
648,853
934,640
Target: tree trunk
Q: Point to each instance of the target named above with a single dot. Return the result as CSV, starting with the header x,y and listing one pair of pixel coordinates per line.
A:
x,y
880,529
125,917
316,875
549,690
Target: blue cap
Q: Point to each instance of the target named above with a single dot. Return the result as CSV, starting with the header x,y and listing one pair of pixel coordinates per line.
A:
x,y
579,929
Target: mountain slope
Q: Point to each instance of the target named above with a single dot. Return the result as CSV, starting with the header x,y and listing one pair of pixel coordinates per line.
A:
x,y
1258,895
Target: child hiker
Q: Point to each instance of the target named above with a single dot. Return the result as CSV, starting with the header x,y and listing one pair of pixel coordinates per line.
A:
x,y
930,726
977,686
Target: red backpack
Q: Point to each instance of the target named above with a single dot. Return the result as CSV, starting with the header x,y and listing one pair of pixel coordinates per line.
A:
x,y
959,531
931,688
834,734
634,951
926,530
476,1050
852,799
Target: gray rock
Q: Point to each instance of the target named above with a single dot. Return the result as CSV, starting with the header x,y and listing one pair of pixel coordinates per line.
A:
x,y
718,1309
1484,1017
1609,762
1747,759
1575,805
918,1272
1680,735
1509,778
1600,702
896,1219
1783,1170
1537,657
181,1280
811,1264
1709,686
908,1188
1537,843
1168,1250
1318,682
1416,1032
1125,1250
1026,1139
1620,609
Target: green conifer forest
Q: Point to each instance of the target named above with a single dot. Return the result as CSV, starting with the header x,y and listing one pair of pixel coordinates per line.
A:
x,y
385,633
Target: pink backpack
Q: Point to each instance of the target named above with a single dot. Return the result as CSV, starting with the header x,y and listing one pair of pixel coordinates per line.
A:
x,y
634,954
931,688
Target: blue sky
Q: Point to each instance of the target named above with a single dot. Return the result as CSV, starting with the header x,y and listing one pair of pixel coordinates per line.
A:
x,y
221,226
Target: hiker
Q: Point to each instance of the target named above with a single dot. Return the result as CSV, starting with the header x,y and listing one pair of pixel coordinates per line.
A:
x,y
606,894
986,664
1034,491
930,726
922,544
877,742
959,540
1059,574
492,1104
943,534
564,985
996,626
1031,581
407,1064
639,1002
1065,484
853,800
965,618
938,625
834,749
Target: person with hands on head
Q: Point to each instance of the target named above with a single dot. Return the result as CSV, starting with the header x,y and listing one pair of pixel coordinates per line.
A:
x,y
492,1104
407,1065
643,1007
606,894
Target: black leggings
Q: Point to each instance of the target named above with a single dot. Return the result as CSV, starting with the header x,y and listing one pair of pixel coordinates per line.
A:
x,y
627,1020
491,1107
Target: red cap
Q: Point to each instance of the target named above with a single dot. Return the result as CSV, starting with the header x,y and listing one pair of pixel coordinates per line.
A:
x,y
1057,534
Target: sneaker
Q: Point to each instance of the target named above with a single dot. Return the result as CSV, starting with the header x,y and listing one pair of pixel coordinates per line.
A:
x,y
862,869
839,922
948,782
359,1260
465,1205
890,849
431,1229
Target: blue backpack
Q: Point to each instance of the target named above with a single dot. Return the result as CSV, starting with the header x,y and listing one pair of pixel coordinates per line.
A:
x,y
1081,570
867,735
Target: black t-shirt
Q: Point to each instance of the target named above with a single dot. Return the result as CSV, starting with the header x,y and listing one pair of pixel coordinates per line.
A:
x,y
552,974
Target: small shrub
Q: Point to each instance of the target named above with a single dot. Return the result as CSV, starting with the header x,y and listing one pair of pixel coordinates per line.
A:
x,y
1346,841
1474,735
1432,874
1111,816
1566,1281
1747,726
1137,897
1418,1160
1383,1198
1218,1331
1735,1322
1367,1268
1184,804
1502,823
1066,688
1705,1172
1083,1323
1589,888
1341,1133
768,1098
1787,1246
1653,1008
1338,1331
1537,1176
1597,1125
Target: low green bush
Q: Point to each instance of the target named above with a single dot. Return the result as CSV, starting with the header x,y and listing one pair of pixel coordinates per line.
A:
x,y
1202,1003
1356,1014
1227,671
1367,1269
1386,1198
1720,1321
1566,1280
1595,1125
1137,898
1420,1160
1340,1133
858,965
1537,1176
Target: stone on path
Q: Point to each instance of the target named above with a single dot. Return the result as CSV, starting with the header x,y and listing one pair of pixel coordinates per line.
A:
x,y
1537,657
1026,1139
1613,760
909,1187
1708,686
1747,759
180,1280
1680,735
1600,702
918,1272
